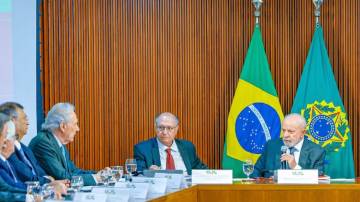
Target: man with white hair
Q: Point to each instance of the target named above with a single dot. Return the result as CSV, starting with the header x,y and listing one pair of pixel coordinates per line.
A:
x,y
7,191
59,129
293,151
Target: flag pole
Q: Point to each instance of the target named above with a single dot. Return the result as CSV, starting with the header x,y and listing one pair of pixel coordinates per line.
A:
x,y
317,4
257,4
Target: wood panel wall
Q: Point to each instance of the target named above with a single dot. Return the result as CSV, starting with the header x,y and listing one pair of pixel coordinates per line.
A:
x,y
123,61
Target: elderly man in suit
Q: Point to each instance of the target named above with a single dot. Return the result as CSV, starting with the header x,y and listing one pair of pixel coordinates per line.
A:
x,y
301,153
59,129
165,151
8,192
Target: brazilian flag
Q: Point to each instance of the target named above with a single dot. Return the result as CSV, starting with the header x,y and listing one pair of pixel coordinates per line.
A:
x,y
255,114
319,101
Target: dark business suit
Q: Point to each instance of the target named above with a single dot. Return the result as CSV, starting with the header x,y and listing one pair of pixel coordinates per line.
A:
x,y
49,154
23,170
147,153
9,193
7,176
311,157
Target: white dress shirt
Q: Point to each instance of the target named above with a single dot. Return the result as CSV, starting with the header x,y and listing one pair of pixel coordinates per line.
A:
x,y
179,163
298,147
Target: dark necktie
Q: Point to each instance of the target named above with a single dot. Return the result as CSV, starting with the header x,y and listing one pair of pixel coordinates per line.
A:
x,y
292,151
11,171
27,161
64,154
170,165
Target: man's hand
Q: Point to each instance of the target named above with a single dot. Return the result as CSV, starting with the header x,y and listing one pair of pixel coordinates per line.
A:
x,y
290,159
8,148
154,167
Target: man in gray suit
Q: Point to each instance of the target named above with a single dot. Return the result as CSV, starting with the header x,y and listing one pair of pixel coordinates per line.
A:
x,y
298,152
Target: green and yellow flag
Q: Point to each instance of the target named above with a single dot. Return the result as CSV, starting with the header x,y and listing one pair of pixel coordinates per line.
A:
x,y
319,101
255,114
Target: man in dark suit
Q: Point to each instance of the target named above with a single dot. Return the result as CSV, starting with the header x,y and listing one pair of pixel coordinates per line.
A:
x,y
59,129
298,153
8,192
166,152
23,160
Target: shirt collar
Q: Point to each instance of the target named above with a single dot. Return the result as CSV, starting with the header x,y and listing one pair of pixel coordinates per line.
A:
x,y
2,157
17,145
299,145
163,147
58,141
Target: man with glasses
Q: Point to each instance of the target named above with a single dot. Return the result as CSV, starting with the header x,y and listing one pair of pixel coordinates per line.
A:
x,y
165,152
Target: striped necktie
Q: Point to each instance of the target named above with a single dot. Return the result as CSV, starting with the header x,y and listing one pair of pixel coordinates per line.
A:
x,y
11,171
27,161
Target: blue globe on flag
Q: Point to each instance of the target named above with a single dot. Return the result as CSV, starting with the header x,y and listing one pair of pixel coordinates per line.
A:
x,y
255,125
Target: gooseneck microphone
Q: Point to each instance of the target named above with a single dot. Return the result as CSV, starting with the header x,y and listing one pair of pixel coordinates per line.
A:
x,y
283,151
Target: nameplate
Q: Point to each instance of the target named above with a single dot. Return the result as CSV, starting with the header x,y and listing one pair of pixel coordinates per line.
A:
x,y
296,176
156,185
174,181
113,193
212,177
137,190
90,197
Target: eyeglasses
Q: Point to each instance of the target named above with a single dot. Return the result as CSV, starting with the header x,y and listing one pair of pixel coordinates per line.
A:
x,y
168,128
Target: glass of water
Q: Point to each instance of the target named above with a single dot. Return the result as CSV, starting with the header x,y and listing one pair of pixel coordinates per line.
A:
x,y
248,168
77,182
105,176
130,166
117,172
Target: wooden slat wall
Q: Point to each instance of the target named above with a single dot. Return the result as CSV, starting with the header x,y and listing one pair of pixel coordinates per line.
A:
x,y
123,61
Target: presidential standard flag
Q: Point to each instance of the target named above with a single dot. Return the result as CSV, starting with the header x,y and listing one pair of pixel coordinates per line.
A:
x,y
255,114
319,101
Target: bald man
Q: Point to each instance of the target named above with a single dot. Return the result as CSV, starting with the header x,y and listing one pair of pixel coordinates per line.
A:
x,y
165,152
299,152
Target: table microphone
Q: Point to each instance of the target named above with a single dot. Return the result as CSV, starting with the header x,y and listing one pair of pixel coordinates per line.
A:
x,y
283,151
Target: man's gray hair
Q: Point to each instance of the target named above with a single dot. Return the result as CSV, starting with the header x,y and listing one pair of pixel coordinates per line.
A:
x,y
166,114
4,118
59,113
300,120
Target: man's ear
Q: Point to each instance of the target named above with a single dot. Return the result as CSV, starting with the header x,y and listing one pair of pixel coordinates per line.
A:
x,y
62,127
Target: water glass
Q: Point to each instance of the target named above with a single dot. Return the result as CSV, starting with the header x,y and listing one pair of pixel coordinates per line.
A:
x,y
33,191
105,176
77,182
117,172
130,166
248,168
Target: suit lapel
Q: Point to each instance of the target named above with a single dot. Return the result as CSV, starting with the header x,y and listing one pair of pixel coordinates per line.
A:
x,y
184,156
58,150
303,154
155,153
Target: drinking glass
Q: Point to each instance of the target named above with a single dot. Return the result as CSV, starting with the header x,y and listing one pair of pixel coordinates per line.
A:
x,y
77,182
33,191
117,172
130,166
248,168
105,176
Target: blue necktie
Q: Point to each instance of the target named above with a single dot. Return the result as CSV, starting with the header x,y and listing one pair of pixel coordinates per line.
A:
x,y
11,171
27,161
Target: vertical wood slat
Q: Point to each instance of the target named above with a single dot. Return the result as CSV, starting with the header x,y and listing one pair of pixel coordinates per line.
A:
x,y
122,62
